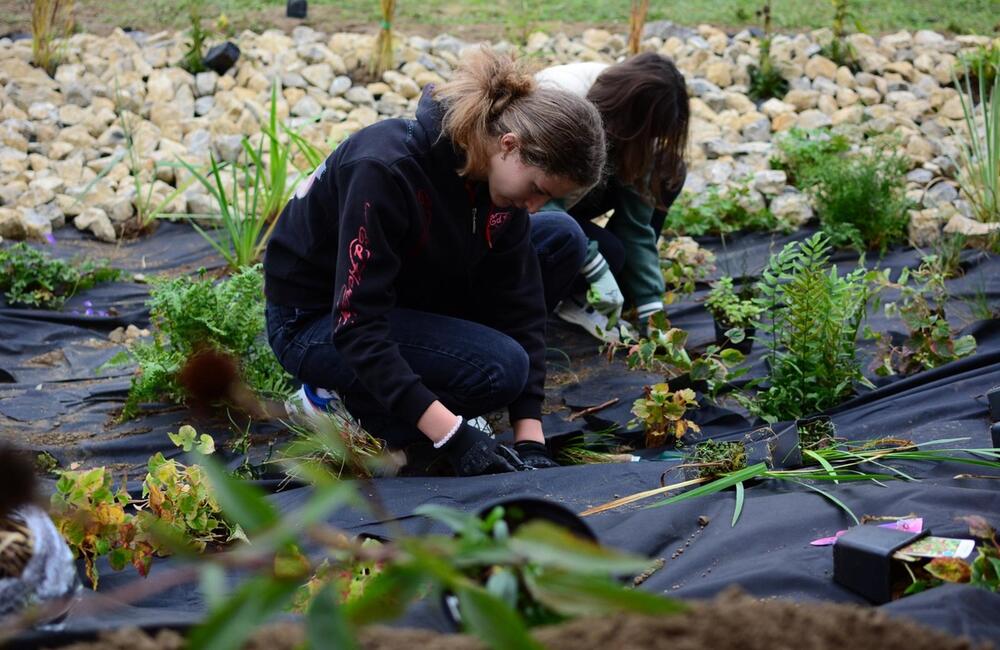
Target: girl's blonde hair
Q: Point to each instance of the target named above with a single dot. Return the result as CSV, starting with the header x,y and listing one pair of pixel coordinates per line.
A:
x,y
492,94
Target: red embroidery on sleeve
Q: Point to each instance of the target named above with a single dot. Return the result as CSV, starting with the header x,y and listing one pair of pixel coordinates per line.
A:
x,y
495,222
358,255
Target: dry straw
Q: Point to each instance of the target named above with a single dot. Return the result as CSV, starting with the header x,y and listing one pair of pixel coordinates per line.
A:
x,y
637,20
382,54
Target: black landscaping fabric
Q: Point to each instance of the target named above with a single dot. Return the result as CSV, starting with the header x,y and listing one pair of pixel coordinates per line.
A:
x,y
54,401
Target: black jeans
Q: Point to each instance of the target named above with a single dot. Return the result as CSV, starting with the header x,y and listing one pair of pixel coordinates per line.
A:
x,y
472,368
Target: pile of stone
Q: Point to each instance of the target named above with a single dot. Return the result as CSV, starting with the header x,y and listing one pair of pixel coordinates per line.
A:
x,y
63,149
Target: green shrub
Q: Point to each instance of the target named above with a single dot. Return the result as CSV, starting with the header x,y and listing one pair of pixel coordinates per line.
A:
x,y
861,199
809,321
190,315
800,151
719,212
32,278
860,196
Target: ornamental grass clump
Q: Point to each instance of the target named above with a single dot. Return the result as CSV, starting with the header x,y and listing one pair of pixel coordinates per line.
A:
x,y
980,163
808,324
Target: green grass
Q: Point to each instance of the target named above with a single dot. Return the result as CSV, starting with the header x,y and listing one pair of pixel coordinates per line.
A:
x,y
515,17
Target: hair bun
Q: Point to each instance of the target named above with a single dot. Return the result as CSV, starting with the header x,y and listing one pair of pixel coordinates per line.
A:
x,y
508,81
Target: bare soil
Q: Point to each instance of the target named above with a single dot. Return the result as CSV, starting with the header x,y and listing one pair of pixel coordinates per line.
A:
x,y
732,620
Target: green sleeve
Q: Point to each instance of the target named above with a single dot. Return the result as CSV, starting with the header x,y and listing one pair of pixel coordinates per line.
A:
x,y
641,279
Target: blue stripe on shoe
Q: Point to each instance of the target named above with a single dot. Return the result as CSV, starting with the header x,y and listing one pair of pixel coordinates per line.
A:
x,y
315,399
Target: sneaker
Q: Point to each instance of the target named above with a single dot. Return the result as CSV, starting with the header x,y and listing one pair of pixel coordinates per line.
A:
x,y
579,312
481,424
309,404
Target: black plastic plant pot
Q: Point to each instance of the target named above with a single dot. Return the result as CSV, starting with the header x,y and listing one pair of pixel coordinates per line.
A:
x,y
723,341
993,399
777,450
863,562
517,512
995,435
222,57
296,8
815,431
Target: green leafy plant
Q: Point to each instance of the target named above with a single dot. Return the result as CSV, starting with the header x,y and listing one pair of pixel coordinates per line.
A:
x,y
662,411
90,515
197,34
713,458
663,350
800,151
50,19
717,212
838,49
861,199
683,263
177,508
33,278
809,321
729,307
501,579
190,315
766,80
180,497
860,196
981,62
921,306
980,173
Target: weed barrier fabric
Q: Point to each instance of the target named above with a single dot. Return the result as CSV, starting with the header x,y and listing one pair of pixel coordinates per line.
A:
x,y
51,399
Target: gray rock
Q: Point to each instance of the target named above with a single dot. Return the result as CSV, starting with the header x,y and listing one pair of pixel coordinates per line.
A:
x,y
715,100
205,82
947,166
228,147
758,131
700,87
340,85
96,221
203,105
770,182
447,43
293,80
940,194
791,208
920,176
306,107
360,95
664,29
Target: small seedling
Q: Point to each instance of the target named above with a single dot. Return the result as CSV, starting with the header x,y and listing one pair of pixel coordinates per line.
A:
x,y
662,412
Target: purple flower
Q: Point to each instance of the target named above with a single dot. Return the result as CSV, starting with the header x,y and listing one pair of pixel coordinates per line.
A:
x,y
87,303
49,237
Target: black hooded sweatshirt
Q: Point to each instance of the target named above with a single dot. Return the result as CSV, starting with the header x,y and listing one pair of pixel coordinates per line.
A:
x,y
386,221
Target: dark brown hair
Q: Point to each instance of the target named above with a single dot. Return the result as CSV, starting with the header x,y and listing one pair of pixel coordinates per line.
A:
x,y
492,94
644,104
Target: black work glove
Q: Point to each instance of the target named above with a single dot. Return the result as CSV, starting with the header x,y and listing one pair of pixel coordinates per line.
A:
x,y
472,452
535,454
